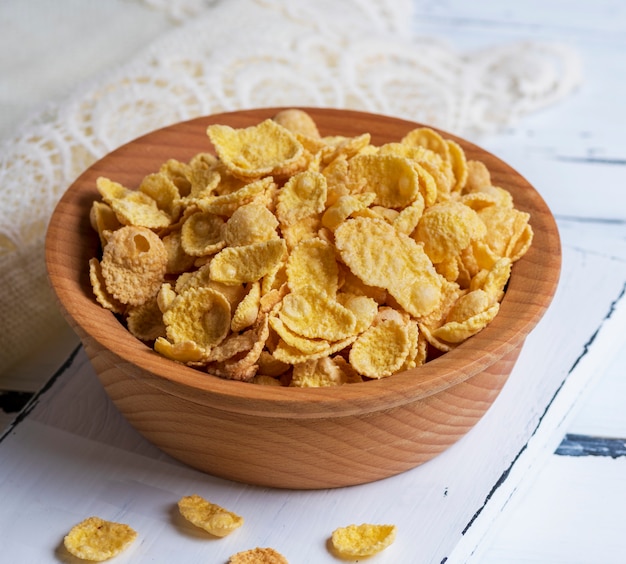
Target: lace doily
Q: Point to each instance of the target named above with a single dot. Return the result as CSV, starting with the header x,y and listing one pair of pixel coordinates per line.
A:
x,y
234,54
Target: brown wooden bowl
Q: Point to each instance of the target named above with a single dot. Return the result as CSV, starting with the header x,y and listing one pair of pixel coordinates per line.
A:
x,y
302,438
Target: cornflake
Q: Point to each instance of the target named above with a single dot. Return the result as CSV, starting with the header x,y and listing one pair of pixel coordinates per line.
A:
x,y
97,540
362,540
214,519
296,259
258,556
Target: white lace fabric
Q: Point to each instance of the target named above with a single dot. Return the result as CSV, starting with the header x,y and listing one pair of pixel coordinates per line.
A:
x,y
235,54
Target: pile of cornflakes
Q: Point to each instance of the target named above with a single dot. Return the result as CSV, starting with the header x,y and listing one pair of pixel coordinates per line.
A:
x,y
290,258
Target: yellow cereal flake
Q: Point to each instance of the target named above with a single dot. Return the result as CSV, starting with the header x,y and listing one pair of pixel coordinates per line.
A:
x,y
468,316
145,321
381,350
312,262
493,280
458,163
363,307
344,207
286,353
132,207
304,345
297,121
407,220
178,260
246,367
103,219
98,285
394,181
96,540
508,232
322,372
133,266
300,230
164,192
303,196
250,223
248,263
227,202
311,313
200,315
270,366
247,309
348,147
187,352
258,556
203,234
260,150
428,139
362,540
209,516
382,257
447,228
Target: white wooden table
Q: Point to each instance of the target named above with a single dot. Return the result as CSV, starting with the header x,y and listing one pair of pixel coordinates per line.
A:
x,y
542,478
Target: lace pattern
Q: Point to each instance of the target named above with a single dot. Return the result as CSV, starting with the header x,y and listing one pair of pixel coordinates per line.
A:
x,y
234,54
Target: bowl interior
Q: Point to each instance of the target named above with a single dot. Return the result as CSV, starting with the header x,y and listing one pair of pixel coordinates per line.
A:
x,y
71,242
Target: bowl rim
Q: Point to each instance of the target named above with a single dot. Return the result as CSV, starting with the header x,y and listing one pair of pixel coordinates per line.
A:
x,y
521,309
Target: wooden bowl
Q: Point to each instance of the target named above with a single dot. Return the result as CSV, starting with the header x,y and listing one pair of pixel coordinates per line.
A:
x,y
294,437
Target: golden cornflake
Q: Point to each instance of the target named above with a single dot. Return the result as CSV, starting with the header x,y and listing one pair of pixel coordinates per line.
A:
x,y
381,256
312,262
304,345
362,540
381,350
248,263
447,228
344,207
258,556
200,315
319,373
97,540
508,232
103,219
133,266
260,150
208,516
394,181
145,321
226,203
187,352
132,207
303,196
297,121
203,234
311,313
164,192
250,223
98,286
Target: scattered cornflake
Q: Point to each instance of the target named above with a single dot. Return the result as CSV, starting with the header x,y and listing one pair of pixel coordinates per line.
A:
x,y
209,516
97,540
362,540
258,556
